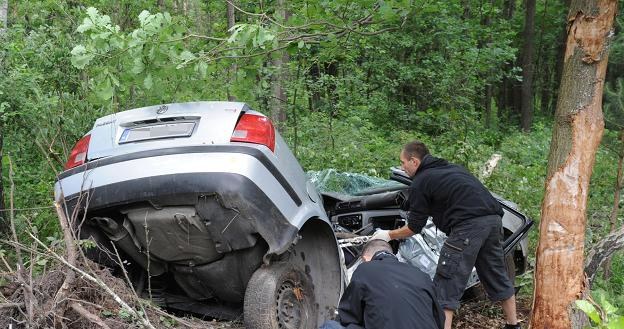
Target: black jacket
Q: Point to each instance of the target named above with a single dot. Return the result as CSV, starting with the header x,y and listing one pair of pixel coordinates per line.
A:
x,y
448,193
387,294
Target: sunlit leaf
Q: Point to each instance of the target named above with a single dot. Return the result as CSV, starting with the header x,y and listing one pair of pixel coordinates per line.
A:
x,y
590,310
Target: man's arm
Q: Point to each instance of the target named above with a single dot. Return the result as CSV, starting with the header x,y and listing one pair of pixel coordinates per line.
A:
x,y
401,233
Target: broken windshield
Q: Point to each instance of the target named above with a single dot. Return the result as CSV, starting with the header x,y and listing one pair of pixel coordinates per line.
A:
x,y
331,180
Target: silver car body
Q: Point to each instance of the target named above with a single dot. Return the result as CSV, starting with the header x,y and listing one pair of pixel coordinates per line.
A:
x,y
132,170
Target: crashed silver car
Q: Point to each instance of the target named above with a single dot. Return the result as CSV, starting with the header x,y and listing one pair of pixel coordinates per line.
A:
x,y
210,212
358,205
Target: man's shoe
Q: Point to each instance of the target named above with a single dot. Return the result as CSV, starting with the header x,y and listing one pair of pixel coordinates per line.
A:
x,y
512,326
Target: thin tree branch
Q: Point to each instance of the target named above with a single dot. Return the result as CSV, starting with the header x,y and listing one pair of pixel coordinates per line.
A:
x,y
88,315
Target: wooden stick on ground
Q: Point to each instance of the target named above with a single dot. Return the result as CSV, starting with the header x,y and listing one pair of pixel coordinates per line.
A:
x,y
88,315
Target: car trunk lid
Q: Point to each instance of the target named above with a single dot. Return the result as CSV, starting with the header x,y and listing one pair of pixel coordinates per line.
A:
x,y
164,126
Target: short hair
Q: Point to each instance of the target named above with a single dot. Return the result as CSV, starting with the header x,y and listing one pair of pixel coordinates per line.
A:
x,y
374,246
415,149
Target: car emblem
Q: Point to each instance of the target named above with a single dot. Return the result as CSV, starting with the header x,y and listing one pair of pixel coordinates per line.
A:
x,y
162,109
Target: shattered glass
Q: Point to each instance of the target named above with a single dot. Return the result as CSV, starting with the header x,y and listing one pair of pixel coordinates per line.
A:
x,y
331,180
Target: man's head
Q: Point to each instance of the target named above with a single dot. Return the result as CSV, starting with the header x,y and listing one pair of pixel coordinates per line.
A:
x,y
411,156
374,246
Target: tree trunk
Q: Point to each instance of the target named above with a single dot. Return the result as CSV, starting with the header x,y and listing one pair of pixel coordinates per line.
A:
x,y
233,70
561,46
4,9
488,106
576,136
4,223
278,110
526,99
616,203
505,99
540,74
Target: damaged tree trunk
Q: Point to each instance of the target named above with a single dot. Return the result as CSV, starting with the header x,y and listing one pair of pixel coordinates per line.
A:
x,y
576,136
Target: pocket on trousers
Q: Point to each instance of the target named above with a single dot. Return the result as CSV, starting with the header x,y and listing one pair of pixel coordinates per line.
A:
x,y
449,260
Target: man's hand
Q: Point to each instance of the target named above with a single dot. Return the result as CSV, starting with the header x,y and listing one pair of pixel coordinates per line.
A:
x,y
381,235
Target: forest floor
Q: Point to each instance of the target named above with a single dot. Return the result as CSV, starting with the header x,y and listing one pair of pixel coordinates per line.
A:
x,y
88,305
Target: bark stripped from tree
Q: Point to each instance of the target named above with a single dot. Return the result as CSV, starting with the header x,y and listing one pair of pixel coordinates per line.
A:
x,y
576,136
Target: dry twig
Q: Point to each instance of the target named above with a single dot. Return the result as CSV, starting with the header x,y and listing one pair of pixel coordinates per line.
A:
x,y
88,315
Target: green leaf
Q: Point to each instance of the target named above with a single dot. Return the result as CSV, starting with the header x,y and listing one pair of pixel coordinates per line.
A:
x,y
104,90
187,56
87,24
147,82
590,310
138,66
80,57
202,69
300,44
608,308
92,12
616,323
143,16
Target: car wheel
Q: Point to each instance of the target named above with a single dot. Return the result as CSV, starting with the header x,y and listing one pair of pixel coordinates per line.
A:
x,y
279,296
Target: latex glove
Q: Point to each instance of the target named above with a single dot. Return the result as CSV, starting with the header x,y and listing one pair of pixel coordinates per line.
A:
x,y
381,235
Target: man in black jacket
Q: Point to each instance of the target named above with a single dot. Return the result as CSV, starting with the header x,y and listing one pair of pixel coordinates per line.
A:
x,y
387,294
465,210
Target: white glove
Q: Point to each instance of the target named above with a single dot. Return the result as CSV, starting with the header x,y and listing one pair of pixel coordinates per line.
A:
x,y
381,235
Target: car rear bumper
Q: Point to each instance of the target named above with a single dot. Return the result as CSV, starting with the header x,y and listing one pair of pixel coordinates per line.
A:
x,y
219,181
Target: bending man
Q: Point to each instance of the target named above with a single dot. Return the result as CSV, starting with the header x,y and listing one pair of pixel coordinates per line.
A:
x,y
465,210
387,294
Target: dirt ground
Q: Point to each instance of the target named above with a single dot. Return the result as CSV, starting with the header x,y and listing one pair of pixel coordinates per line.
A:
x,y
50,312
484,314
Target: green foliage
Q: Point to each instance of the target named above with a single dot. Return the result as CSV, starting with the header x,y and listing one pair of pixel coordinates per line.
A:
x,y
602,314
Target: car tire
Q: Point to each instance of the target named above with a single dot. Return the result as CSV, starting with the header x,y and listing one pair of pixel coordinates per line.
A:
x,y
279,296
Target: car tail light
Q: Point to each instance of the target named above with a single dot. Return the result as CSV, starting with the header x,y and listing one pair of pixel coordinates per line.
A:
x,y
78,154
255,129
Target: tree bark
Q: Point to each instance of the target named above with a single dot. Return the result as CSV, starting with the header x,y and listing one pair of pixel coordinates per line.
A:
x,y
505,99
279,100
526,99
4,9
561,46
576,136
4,222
